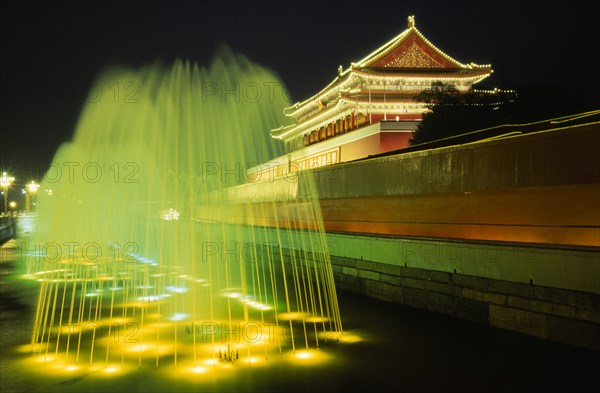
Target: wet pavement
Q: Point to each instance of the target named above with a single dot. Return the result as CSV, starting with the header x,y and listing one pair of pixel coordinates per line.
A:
x,y
386,347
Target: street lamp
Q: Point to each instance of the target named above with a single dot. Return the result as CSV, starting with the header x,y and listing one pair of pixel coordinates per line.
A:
x,y
5,182
29,196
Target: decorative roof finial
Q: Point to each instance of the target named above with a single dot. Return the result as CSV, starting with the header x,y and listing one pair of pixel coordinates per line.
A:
x,y
340,70
411,21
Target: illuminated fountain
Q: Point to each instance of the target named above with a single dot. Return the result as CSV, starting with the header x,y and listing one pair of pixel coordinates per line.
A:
x,y
133,272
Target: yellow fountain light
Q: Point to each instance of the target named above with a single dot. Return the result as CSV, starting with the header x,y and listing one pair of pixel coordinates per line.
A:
x,y
345,337
198,370
310,357
150,349
141,348
253,360
111,369
303,355
166,316
316,319
286,316
119,320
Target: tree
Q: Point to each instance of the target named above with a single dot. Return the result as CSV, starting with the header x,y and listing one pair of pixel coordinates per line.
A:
x,y
452,112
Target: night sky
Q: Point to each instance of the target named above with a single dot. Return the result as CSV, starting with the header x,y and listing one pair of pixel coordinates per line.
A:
x,y
53,51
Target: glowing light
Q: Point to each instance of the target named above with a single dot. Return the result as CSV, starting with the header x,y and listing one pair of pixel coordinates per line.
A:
x,y
310,357
142,285
257,305
170,215
286,316
198,369
5,180
334,97
141,348
303,355
179,316
349,338
177,289
33,187
153,298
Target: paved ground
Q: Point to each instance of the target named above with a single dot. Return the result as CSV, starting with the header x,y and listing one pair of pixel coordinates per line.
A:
x,y
391,348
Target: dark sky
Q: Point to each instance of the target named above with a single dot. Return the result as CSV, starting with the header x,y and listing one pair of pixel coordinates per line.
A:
x,y
53,51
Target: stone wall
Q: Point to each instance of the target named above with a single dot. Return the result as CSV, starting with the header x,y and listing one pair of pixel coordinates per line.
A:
x,y
556,314
7,228
548,292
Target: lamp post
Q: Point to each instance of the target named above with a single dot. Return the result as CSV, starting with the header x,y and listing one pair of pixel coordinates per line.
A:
x,y
5,182
30,195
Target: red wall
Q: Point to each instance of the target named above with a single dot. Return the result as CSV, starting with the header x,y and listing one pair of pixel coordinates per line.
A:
x,y
394,140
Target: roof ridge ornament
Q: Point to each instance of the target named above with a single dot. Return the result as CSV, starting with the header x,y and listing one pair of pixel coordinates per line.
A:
x,y
411,21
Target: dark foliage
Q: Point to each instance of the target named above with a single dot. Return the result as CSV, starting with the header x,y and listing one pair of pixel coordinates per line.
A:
x,y
454,113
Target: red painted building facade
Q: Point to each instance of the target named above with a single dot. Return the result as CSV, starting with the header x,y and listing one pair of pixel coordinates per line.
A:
x,y
370,107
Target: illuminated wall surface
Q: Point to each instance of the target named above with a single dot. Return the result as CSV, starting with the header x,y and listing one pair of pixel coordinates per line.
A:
x,y
127,277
